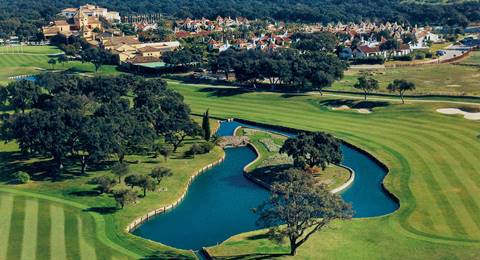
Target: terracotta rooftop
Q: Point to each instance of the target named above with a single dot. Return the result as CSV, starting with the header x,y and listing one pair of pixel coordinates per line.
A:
x,y
148,49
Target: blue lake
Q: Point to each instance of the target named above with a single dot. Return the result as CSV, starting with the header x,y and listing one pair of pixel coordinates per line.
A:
x,y
219,202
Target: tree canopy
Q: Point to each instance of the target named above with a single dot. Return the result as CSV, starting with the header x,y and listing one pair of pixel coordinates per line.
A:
x,y
298,208
313,149
401,86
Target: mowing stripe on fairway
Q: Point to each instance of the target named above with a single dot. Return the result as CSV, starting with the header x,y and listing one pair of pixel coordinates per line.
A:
x,y
6,207
57,234
72,242
44,223
30,231
442,155
87,251
15,239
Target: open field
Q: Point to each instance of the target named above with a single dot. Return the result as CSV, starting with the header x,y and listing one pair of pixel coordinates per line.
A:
x,y
433,162
443,79
104,227
37,61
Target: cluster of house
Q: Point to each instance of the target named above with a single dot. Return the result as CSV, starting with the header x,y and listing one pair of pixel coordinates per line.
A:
x,y
84,21
265,42
203,27
131,50
368,44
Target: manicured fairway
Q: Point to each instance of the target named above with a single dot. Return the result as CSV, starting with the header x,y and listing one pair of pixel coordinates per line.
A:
x,y
434,170
29,50
36,228
34,60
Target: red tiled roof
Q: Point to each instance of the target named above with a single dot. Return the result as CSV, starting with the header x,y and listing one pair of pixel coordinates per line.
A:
x,y
182,34
366,49
148,49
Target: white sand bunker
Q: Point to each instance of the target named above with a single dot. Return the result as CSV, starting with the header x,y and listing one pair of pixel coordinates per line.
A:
x,y
360,110
456,111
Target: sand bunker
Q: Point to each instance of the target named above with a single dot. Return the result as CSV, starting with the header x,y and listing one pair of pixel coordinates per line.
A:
x,y
360,110
343,107
456,111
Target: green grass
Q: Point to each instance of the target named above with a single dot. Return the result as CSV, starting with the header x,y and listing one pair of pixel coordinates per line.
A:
x,y
473,59
443,79
36,61
102,234
433,162
39,228
29,50
270,162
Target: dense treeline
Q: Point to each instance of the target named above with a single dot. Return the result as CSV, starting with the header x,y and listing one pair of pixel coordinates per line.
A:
x,y
88,120
22,16
310,64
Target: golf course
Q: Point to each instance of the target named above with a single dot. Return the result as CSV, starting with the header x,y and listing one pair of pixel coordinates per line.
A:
x,y
432,162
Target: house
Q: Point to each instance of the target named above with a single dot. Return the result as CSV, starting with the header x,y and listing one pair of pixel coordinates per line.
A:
x,y
366,51
69,12
149,51
92,11
57,27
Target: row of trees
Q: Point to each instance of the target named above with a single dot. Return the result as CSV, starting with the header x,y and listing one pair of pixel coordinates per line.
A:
x,y
91,119
150,182
294,68
370,84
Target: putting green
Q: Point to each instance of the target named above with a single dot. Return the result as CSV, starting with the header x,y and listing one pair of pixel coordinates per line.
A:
x,y
433,162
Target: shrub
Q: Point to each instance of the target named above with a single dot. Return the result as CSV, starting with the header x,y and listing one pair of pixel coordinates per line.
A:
x,y
21,177
105,183
404,58
270,144
202,148
369,60
420,55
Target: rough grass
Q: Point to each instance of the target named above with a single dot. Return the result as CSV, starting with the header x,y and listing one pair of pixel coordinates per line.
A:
x,y
433,162
443,79
473,59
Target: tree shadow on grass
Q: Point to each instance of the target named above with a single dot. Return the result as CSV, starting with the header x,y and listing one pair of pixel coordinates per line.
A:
x,y
102,210
42,168
354,103
39,170
252,256
85,193
224,92
292,95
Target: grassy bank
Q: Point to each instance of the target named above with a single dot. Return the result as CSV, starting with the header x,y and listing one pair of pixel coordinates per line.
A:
x,y
433,166
270,161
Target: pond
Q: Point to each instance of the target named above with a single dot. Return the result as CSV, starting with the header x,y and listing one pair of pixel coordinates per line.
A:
x,y
219,202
